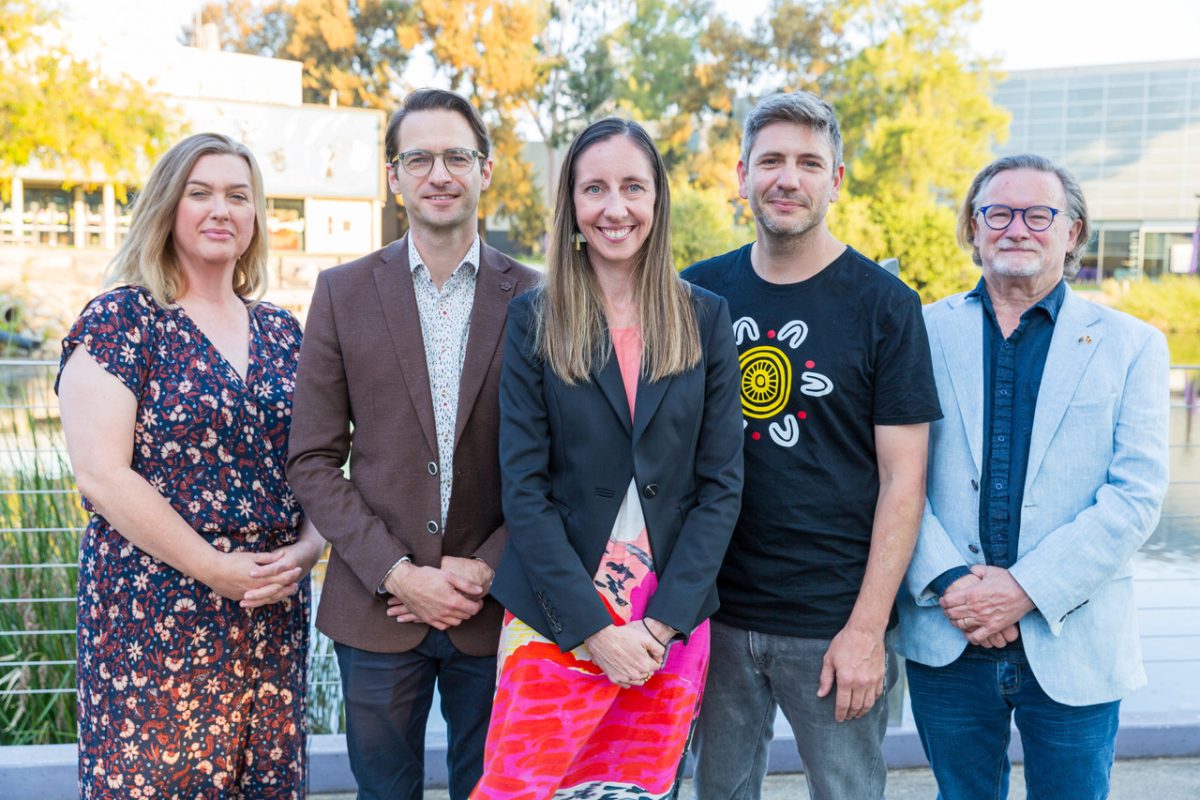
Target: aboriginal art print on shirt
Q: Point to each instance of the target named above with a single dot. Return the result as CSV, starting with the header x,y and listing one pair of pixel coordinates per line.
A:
x,y
774,368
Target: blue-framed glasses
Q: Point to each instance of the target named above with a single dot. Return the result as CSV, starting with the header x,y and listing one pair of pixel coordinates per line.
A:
x,y
1037,218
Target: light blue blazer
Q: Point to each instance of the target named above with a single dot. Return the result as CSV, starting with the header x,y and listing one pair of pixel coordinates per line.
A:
x,y
1093,491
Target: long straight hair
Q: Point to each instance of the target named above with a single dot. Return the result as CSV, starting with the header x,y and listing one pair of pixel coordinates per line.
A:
x,y
147,257
572,330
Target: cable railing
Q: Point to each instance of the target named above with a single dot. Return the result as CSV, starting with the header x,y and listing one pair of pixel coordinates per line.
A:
x,y
41,523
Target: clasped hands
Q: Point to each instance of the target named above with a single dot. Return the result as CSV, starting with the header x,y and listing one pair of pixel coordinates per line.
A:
x,y
254,580
630,654
986,606
441,597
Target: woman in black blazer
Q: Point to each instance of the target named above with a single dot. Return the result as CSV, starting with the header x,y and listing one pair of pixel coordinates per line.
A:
x,y
621,457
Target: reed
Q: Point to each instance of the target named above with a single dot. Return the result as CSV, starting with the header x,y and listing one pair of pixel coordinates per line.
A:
x,y
40,520
40,526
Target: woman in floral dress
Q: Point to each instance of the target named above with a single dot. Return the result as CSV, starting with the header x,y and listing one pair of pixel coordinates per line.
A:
x,y
176,393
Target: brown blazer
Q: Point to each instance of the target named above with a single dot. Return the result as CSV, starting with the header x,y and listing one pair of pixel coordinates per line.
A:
x,y
362,392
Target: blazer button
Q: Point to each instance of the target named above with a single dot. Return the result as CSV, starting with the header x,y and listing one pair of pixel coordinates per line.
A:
x,y
432,467
650,490
973,548
431,526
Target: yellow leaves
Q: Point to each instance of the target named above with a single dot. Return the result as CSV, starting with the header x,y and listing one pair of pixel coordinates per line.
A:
x,y
489,44
61,110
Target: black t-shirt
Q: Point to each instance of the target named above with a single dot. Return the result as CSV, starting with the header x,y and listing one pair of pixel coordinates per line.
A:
x,y
823,361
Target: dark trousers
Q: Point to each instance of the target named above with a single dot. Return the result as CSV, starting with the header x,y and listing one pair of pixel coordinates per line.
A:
x,y
388,696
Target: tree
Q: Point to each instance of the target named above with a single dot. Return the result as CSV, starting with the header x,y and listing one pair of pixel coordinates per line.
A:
x,y
919,122
577,74
700,224
915,107
487,51
353,48
916,230
62,112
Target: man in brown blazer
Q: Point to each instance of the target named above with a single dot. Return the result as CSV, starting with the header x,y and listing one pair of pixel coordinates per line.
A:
x,y
399,373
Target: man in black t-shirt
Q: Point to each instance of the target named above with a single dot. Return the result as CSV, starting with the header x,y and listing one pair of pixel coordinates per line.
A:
x,y
837,394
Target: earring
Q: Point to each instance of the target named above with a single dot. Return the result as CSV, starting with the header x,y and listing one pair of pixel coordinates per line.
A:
x,y
579,241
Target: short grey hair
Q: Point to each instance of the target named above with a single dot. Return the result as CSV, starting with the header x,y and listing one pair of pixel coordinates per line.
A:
x,y
801,108
1076,203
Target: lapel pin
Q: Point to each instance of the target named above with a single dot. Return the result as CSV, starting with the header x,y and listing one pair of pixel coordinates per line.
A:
x,y
1085,339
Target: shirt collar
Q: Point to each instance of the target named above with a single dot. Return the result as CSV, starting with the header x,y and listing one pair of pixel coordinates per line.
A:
x,y
1051,304
470,260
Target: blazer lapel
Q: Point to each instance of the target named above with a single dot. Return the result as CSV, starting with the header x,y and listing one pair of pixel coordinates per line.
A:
x,y
493,291
393,281
649,395
960,336
1076,336
608,378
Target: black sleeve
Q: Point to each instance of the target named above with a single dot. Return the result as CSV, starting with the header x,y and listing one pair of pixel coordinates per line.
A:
x,y
560,582
905,392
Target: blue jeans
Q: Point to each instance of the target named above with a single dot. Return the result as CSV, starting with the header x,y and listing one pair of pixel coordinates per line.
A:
x,y
388,697
964,711
750,674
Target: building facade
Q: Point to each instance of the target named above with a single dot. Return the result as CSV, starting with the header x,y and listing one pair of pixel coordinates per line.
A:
x,y
321,167
1131,134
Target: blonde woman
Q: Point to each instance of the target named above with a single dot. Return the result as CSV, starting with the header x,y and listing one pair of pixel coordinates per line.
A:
x,y
176,393
620,451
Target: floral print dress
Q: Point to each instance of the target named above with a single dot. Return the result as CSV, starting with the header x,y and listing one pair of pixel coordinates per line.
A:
x,y
182,693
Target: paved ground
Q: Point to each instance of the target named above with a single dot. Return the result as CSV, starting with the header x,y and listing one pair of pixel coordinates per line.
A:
x,y
1143,779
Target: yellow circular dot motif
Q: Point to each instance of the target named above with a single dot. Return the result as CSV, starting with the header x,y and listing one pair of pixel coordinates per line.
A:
x,y
766,381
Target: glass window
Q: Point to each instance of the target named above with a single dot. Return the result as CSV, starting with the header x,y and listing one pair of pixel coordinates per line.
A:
x,y
1083,127
1175,77
93,218
1127,125
1118,253
1126,91
1171,89
1174,107
1089,262
1164,253
1089,94
1125,108
1045,127
1044,97
1085,110
47,217
285,224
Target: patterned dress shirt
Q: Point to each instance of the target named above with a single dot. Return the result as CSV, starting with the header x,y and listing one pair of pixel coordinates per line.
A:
x,y
445,325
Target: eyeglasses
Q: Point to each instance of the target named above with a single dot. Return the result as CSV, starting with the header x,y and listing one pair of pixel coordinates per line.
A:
x,y
1037,218
419,163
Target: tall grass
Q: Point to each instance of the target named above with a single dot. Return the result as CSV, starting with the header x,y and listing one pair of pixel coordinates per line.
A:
x,y
40,524
40,520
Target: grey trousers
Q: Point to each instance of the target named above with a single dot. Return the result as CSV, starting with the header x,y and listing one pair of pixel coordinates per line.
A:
x,y
751,674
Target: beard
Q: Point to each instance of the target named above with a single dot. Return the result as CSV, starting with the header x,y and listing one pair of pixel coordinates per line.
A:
x,y
1017,264
795,225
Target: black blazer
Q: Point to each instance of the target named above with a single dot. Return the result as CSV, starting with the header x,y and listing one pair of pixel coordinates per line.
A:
x,y
567,454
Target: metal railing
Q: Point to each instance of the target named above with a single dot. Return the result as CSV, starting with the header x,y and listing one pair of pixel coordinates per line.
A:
x,y
41,522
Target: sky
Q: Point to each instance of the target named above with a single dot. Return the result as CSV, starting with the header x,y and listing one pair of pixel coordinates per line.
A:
x,y
1023,34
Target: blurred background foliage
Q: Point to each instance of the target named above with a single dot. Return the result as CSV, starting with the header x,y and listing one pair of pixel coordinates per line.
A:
x,y
914,101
